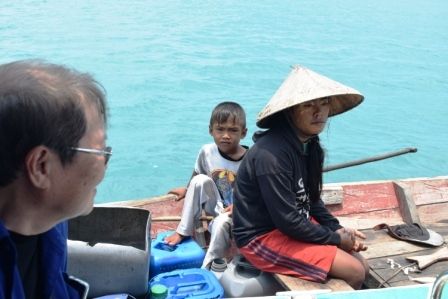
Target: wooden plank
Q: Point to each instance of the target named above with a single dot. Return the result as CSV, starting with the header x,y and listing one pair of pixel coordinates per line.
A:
x,y
433,213
366,198
383,247
143,201
427,191
333,195
432,271
385,215
363,222
407,206
291,283
178,218
389,248
373,280
440,227
382,235
380,244
382,270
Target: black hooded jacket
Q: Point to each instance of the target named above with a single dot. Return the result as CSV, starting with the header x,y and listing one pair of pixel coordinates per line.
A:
x,y
270,192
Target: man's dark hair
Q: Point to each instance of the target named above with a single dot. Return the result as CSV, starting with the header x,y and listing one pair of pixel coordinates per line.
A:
x,y
228,110
43,104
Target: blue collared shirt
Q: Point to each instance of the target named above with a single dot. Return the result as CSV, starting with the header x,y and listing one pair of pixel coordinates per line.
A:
x,y
55,283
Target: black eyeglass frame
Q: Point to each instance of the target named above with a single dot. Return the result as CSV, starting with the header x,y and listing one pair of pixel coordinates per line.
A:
x,y
106,152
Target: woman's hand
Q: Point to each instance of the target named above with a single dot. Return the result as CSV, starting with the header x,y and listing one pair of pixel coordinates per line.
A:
x,y
359,245
347,239
355,236
179,192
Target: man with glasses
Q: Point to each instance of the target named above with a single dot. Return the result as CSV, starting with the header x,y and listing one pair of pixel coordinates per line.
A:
x,y
52,157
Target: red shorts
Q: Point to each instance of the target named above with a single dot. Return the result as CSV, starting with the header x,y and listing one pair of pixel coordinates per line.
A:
x,y
278,253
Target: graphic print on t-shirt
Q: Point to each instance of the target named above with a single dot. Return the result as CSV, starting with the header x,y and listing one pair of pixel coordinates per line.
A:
x,y
224,180
302,199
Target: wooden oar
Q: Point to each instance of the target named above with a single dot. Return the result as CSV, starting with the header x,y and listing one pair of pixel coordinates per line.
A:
x,y
370,159
424,261
177,218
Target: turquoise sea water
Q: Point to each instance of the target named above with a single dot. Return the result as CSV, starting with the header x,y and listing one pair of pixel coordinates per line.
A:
x,y
166,64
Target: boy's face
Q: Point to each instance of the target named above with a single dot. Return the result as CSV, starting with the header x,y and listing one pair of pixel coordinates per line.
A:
x,y
227,135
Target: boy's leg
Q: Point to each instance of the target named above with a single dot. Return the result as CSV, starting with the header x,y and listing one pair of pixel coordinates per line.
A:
x,y
220,240
201,194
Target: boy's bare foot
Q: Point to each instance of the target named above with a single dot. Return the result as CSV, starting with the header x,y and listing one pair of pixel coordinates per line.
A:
x,y
174,239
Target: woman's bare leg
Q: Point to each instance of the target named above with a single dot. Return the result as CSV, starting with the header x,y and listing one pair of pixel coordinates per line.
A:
x,y
349,268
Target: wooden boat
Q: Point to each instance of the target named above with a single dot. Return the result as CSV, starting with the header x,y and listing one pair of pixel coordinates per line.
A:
x,y
360,205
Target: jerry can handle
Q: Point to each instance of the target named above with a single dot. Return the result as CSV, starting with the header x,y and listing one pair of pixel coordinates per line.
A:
x,y
165,247
245,265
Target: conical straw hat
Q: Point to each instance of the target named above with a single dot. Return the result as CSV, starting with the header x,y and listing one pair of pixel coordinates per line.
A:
x,y
304,85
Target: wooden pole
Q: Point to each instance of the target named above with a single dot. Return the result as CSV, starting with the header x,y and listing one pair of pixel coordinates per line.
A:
x,y
370,159
177,218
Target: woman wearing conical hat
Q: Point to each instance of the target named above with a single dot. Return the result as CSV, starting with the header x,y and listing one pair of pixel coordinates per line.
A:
x,y
280,222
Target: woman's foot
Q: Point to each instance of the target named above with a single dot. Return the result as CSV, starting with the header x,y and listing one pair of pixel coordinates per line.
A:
x,y
174,239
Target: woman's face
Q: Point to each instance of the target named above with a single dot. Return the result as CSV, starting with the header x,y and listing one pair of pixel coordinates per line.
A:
x,y
310,117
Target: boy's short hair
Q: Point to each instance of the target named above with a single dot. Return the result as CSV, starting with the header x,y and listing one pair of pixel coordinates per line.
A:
x,y
225,110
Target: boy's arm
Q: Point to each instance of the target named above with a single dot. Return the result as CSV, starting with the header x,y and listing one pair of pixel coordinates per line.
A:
x,y
181,191
229,210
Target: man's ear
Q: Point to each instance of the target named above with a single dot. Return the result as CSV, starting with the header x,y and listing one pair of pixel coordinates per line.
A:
x,y
38,164
210,130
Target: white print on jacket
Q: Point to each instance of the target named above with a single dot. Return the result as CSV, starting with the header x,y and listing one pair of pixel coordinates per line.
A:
x,y
302,200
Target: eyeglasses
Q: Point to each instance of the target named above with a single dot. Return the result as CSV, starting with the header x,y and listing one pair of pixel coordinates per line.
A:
x,y
106,152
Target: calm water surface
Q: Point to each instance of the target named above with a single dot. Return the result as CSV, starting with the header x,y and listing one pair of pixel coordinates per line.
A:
x,y
166,64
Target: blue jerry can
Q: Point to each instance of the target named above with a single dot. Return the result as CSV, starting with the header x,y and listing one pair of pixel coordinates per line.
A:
x,y
165,258
190,283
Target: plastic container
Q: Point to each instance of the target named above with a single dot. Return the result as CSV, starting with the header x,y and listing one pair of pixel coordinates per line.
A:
x,y
165,258
158,291
116,296
218,267
189,283
241,279
110,249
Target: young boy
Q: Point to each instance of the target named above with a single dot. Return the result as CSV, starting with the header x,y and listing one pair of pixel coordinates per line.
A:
x,y
211,185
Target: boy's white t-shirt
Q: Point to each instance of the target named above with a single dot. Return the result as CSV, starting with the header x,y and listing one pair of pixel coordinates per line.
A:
x,y
222,171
